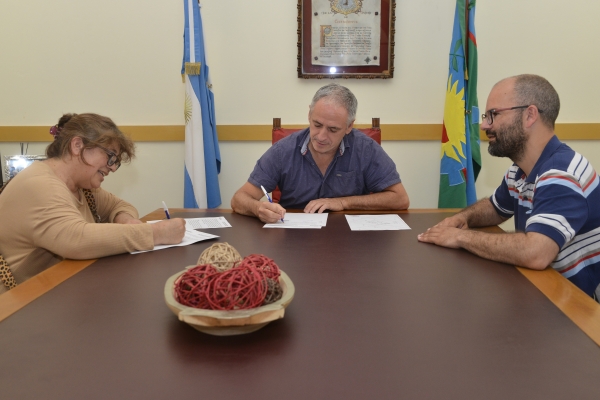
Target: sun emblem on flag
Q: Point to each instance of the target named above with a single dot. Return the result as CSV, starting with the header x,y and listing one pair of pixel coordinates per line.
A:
x,y
454,134
187,108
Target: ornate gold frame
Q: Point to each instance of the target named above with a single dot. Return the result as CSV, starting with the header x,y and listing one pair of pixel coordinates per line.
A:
x,y
384,71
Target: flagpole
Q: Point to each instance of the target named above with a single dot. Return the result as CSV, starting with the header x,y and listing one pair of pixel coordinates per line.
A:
x,y
466,47
466,42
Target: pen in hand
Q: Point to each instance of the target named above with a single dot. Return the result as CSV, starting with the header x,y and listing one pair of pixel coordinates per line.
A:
x,y
268,197
166,210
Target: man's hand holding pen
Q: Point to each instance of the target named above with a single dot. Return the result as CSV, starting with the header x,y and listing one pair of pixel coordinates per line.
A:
x,y
270,212
266,212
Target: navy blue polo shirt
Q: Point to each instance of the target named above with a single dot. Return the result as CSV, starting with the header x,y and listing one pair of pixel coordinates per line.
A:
x,y
361,166
560,199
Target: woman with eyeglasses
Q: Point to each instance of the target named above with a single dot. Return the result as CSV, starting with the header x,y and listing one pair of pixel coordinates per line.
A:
x,y
55,209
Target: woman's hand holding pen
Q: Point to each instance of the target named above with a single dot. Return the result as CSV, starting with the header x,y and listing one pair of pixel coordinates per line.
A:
x,y
169,231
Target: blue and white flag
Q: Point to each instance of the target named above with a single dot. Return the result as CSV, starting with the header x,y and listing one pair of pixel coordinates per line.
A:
x,y
202,156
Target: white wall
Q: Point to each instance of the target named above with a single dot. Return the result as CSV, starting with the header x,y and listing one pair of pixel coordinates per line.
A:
x,y
123,59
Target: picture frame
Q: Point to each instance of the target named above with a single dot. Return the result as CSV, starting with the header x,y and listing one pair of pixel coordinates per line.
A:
x,y
15,164
341,9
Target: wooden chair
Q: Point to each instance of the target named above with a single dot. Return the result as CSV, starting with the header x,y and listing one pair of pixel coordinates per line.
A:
x,y
374,132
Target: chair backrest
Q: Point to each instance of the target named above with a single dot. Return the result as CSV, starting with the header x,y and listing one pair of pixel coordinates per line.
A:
x,y
374,132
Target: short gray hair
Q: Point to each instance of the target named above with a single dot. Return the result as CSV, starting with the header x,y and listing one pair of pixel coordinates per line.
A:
x,y
341,95
533,89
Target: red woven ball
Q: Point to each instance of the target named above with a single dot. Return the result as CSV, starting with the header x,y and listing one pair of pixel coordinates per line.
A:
x,y
253,283
263,263
239,288
191,286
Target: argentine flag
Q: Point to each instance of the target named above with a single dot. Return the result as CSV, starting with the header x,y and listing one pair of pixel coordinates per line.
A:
x,y
202,157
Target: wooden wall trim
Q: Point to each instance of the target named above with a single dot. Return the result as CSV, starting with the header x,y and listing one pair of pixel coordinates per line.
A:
x,y
176,133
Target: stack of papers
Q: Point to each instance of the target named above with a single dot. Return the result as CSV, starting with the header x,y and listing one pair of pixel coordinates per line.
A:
x,y
381,222
206,223
300,221
191,236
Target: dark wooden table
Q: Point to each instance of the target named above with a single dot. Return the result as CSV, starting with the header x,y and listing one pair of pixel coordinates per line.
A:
x,y
377,315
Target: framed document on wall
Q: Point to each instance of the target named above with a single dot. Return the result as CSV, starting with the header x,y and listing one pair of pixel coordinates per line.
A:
x,y
346,39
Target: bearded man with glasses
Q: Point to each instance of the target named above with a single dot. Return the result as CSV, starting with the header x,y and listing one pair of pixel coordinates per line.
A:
x,y
552,191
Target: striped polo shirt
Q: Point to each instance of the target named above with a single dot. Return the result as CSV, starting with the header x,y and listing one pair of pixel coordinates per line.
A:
x,y
560,199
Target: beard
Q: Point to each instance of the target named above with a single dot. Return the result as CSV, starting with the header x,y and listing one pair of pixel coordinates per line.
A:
x,y
510,141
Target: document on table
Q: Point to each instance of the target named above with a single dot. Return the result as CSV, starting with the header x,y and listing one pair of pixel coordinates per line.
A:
x,y
191,236
300,221
206,223
380,222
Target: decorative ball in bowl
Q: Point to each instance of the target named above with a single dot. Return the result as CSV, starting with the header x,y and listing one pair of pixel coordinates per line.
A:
x,y
229,322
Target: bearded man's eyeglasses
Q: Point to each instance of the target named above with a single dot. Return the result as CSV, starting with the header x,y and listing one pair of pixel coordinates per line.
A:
x,y
490,114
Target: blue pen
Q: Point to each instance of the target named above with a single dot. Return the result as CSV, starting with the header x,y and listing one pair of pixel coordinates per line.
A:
x,y
268,197
166,210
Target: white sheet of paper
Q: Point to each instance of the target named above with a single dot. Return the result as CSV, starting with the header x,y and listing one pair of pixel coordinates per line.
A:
x,y
191,236
206,223
301,221
381,222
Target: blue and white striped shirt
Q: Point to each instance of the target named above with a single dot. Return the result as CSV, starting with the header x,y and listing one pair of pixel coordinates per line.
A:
x,y
560,199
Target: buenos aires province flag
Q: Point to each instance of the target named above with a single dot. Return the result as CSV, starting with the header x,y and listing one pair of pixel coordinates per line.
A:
x,y
460,155
202,156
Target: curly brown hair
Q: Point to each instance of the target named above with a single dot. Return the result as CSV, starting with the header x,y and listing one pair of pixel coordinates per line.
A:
x,y
94,130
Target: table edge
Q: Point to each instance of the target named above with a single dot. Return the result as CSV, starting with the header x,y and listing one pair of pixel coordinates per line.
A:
x,y
26,292
580,308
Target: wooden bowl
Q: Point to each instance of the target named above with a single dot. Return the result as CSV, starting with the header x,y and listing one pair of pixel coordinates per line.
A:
x,y
227,323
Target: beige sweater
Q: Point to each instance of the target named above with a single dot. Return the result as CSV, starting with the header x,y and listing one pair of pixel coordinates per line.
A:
x,y
41,223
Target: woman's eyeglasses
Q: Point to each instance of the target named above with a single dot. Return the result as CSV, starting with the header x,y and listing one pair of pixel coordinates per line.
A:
x,y
113,159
